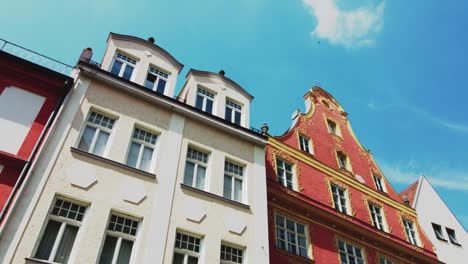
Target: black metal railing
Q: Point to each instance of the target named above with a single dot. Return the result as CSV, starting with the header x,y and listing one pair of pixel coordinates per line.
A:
x,y
34,57
91,62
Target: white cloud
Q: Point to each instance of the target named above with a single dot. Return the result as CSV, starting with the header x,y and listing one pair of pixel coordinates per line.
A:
x,y
350,28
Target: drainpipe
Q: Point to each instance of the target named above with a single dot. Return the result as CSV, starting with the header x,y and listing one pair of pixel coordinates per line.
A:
x,y
11,201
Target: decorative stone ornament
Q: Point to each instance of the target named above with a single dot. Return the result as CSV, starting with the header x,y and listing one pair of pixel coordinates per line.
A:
x,y
194,211
133,191
235,224
81,175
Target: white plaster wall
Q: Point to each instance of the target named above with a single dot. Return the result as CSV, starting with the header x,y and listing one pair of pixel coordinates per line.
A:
x,y
18,110
222,90
145,57
431,209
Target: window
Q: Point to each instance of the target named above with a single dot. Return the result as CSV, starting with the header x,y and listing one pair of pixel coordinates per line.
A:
x,y
60,232
120,237
379,183
339,198
156,80
383,260
231,255
452,236
410,232
233,112
377,216
342,160
332,128
285,173
438,231
204,101
141,151
233,179
96,133
291,236
123,66
304,144
350,254
187,249
195,168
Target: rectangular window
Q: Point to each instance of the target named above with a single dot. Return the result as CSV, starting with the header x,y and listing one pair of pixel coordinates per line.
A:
x,y
350,254
342,160
187,249
383,260
204,100
141,151
377,216
339,198
120,237
305,145
284,171
123,66
379,183
291,236
231,255
233,181
96,133
60,232
410,232
438,232
452,236
233,112
156,80
195,168
332,127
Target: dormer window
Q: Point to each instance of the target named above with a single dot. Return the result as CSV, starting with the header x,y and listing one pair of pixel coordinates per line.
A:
x,y
156,80
123,66
233,112
204,100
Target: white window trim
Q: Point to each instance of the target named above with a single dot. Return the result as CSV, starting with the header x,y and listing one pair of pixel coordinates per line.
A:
x,y
234,177
285,182
337,131
158,76
124,63
355,247
406,225
234,110
197,163
379,183
143,144
347,161
187,252
296,236
453,240
346,198
374,210
205,98
98,130
303,140
241,248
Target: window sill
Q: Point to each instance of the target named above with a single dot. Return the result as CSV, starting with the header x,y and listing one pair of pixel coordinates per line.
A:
x,y
35,260
456,244
336,135
442,239
111,162
212,195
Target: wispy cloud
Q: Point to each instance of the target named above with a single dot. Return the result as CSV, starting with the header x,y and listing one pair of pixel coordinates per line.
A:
x,y
349,28
439,175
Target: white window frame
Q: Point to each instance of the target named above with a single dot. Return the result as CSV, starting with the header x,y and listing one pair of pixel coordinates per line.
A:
x,y
439,235
206,95
235,107
346,161
354,250
377,216
336,131
120,236
228,245
160,75
452,236
64,222
305,144
233,177
125,60
284,181
143,144
379,183
197,163
410,231
337,202
296,234
187,252
98,128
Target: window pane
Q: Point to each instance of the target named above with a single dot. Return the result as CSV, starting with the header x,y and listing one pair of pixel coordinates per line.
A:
x,y
48,239
66,244
228,114
201,177
227,190
161,86
101,143
199,102
133,154
128,72
237,118
192,260
146,159
108,250
238,190
178,258
116,67
87,138
125,252
150,80
188,176
209,106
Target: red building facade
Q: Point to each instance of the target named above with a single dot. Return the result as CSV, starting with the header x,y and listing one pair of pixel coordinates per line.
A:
x,y
328,202
30,96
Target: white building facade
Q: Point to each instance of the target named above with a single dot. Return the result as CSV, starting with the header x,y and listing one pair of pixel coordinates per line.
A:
x,y
131,175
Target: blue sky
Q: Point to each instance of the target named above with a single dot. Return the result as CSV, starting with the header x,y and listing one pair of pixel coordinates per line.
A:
x,y
397,67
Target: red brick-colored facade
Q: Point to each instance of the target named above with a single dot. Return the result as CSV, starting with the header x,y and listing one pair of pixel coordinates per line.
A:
x,y
19,73
310,201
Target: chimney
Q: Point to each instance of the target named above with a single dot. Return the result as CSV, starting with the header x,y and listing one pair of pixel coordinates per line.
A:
x,y
86,55
151,39
221,72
